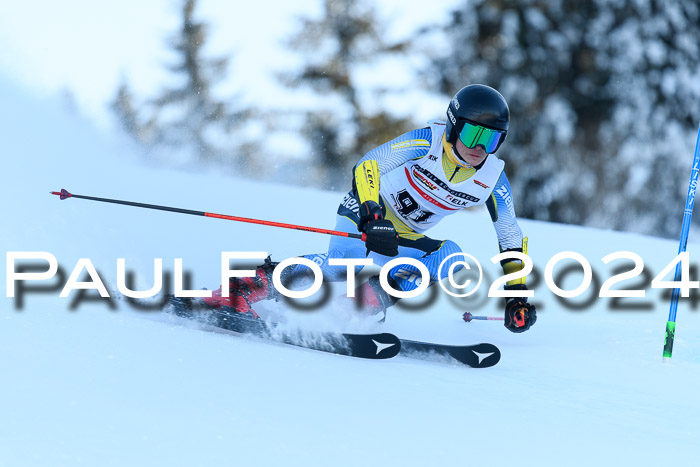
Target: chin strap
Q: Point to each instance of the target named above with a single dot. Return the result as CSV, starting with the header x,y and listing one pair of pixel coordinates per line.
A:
x,y
452,155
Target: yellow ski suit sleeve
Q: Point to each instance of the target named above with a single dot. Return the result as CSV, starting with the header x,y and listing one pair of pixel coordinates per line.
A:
x,y
366,181
515,266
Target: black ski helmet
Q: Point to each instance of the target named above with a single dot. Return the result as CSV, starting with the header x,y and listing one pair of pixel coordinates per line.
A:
x,y
479,104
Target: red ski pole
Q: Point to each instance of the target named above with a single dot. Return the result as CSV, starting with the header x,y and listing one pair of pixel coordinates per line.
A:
x,y
468,317
64,194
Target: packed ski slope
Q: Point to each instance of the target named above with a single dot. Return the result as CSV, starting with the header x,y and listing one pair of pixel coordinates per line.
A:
x,y
86,384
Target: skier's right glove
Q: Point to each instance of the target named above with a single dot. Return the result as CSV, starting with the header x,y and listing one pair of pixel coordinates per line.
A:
x,y
381,234
369,211
520,314
382,238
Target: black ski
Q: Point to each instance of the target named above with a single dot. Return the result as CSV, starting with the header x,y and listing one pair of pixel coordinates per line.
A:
x,y
477,355
373,346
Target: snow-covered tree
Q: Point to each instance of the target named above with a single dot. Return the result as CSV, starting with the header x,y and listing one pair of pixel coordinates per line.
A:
x,y
604,98
187,116
333,48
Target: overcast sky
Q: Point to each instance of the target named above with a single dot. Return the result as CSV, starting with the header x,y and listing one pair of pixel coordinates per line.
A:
x,y
86,46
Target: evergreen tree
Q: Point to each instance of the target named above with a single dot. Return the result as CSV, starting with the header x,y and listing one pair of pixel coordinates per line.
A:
x,y
188,116
604,102
124,108
346,37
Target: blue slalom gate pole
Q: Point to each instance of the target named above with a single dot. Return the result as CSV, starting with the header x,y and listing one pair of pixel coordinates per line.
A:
x,y
687,215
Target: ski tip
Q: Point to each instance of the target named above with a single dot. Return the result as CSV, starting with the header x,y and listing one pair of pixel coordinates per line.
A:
x,y
63,194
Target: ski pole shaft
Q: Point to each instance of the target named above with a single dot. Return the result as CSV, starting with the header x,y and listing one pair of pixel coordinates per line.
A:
x,y
468,317
64,194
685,229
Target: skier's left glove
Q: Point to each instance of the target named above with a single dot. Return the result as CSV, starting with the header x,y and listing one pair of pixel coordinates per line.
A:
x,y
520,314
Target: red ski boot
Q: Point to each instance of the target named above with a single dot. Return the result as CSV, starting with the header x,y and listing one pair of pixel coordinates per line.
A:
x,y
372,300
244,291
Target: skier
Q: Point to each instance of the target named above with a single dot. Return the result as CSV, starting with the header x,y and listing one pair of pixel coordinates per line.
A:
x,y
403,188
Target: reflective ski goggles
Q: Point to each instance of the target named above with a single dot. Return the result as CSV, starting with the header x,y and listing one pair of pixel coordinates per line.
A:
x,y
475,135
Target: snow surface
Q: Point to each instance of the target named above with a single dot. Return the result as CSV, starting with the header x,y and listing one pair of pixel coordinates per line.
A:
x,y
96,386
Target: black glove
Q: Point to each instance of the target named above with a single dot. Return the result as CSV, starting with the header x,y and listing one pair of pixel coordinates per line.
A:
x,y
381,234
382,238
369,211
520,315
